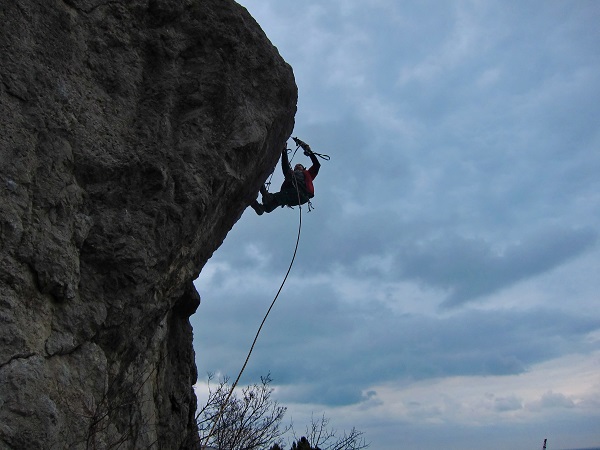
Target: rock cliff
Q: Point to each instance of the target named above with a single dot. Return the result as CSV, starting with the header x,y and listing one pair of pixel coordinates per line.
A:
x,y
133,134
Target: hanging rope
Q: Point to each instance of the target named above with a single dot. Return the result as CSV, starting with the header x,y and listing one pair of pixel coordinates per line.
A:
x,y
212,430
233,386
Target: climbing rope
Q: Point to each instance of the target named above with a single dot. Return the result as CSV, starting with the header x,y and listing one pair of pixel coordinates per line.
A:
x,y
212,430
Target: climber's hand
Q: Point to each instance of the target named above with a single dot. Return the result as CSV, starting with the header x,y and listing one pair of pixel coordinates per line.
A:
x,y
307,150
300,143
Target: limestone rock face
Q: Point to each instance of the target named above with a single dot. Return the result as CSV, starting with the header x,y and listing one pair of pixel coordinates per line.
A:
x,y
133,134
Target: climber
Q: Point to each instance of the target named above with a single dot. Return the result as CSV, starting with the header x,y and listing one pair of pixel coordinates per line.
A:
x,y
296,189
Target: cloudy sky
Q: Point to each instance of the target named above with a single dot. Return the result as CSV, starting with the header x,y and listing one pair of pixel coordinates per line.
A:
x,y
446,288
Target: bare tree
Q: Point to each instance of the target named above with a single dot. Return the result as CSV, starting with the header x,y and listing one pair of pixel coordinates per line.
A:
x,y
246,422
321,437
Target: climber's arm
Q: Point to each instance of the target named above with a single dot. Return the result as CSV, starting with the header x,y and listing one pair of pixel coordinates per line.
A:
x,y
316,165
285,163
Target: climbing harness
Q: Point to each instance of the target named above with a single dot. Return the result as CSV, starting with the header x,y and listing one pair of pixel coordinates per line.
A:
x,y
219,415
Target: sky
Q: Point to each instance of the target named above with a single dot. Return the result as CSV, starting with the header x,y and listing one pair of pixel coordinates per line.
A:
x,y
446,287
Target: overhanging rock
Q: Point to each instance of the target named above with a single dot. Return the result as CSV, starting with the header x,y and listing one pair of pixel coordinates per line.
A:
x,y
133,136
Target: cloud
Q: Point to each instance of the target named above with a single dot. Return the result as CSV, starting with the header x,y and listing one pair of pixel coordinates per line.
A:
x,y
458,400
504,404
317,328
470,269
466,269
551,400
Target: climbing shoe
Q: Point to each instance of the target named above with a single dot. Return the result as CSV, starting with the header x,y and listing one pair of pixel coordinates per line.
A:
x,y
257,207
